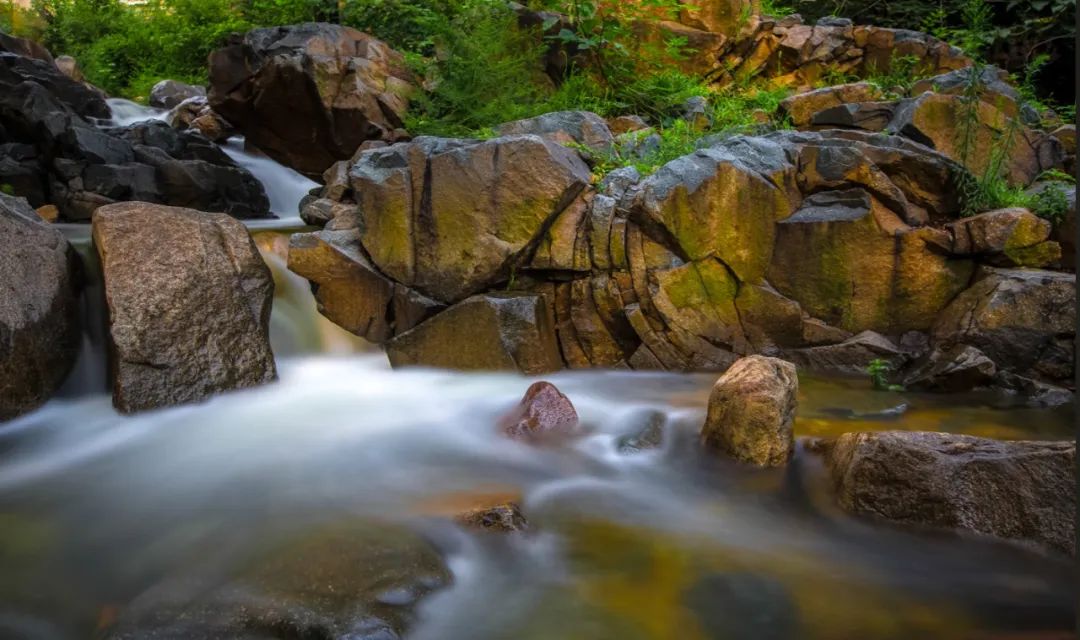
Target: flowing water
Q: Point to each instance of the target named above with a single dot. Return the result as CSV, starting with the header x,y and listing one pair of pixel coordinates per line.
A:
x,y
101,512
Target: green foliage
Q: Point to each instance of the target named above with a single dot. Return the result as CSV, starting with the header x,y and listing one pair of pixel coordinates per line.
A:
x,y
7,189
879,371
1051,203
900,77
775,9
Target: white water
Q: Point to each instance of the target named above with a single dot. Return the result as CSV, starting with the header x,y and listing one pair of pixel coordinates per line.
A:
x,y
284,187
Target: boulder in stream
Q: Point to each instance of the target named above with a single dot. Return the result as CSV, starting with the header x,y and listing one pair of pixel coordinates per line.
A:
x,y
39,321
1016,490
189,304
543,412
500,518
752,411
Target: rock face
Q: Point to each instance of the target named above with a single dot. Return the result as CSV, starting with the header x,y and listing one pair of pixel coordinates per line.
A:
x,y
752,410
565,127
1024,320
348,580
39,323
543,412
1015,490
50,153
170,93
189,304
308,95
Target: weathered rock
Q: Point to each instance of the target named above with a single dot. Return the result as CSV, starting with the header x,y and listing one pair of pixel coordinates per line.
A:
x,y
76,97
189,304
195,113
1023,320
751,411
867,116
992,86
626,124
501,518
565,127
308,95
24,47
1066,135
450,218
960,368
1035,393
999,231
725,17
647,432
1015,490
170,93
357,580
39,322
494,332
1064,231
802,107
938,121
850,357
543,412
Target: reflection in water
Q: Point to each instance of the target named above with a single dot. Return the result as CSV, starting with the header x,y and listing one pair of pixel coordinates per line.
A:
x,y
99,510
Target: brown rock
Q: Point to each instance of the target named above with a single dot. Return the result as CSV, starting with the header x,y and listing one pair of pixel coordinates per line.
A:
x,y
189,304
48,212
849,357
308,95
492,332
501,518
960,368
802,107
70,68
999,231
583,128
542,413
626,124
39,318
1066,135
751,411
1016,490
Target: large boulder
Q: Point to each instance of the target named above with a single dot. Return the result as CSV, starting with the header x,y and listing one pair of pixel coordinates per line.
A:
x,y
752,411
1022,319
1022,491
189,304
170,93
565,127
308,95
356,579
74,96
39,322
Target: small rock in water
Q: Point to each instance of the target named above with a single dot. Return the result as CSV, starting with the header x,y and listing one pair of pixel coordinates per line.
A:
x,y
544,411
751,411
501,518
649,433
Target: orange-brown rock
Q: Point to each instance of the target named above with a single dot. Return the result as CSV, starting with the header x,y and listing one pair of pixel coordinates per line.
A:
x,y
543,413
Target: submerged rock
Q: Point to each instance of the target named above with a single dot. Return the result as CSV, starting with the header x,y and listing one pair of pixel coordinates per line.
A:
x,y
189,304
543,412
752,411
360,580
501,518
1016,490
309,94
39,321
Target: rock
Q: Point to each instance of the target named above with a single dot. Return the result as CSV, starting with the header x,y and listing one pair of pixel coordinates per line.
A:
x,y
993,89
936,120
867,116
502,518
51,154
1064,231
1035,393
1015,490
626,124
168,94
999,231
492,332
1024,320
70,68
1066,135
724,17
751,411
39,318
544,412
195,113
960,368
24,47
189,304
308,95
850,357
565,127
696,113
48,213
75,96
355,580
647,435
449,218
802,107
833,21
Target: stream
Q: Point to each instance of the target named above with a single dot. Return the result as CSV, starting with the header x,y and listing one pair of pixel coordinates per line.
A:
x,y
99,511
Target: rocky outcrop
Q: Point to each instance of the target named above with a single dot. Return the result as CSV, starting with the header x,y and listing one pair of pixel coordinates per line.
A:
x,y
1015,490
802,107
752,411
170,93
349,580
39,322
308,95
189,304
52,154
566,128
958,368
1024,320
543,413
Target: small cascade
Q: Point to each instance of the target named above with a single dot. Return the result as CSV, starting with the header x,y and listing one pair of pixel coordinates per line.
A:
x,y
283,186
126,112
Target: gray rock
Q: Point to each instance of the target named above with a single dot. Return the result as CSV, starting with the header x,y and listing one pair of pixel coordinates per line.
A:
x,y
39,322
1021,491
170,93
833,21
850,357
189,304
564,127
752,410
868,116
960,368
